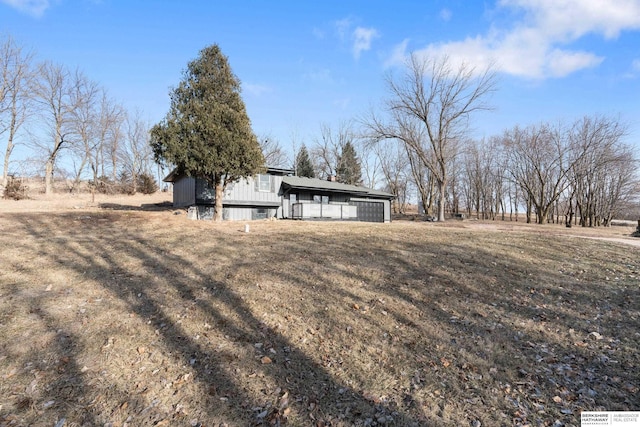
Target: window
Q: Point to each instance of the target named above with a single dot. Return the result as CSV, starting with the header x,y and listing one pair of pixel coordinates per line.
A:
x,y
259,213
293,198
321,199
264,183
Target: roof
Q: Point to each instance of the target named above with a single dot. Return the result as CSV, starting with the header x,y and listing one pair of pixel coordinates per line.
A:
x,y
303,183
174,175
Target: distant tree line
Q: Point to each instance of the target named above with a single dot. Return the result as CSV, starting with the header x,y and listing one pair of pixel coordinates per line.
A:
x,y
581,172
71,127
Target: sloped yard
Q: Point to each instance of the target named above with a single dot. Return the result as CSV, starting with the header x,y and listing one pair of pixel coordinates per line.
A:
x,y
138,318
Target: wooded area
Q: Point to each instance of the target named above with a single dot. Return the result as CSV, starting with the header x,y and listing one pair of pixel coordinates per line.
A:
x,y
70,126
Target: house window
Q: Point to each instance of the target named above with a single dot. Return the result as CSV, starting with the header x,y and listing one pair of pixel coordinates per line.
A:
x,y
259,213
321,199
293,198
264,182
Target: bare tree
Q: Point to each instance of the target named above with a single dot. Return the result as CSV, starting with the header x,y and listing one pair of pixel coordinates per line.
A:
x,y
15,78
84,122
328,149
429,111
272,151
370,163
602,172
395,168
135,153
484,186
539,162
111,117
52,93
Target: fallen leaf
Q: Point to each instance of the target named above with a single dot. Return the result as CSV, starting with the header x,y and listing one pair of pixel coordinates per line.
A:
x,y
266,360
595,336
557,399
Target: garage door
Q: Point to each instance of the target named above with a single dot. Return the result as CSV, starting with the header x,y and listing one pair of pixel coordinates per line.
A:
x,y
369,211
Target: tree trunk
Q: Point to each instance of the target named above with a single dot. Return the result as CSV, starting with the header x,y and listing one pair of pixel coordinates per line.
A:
x,y
48,176
441,196
7,154
219,187
5,173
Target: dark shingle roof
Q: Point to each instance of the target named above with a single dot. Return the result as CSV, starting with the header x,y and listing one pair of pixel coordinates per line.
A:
x,y
298,182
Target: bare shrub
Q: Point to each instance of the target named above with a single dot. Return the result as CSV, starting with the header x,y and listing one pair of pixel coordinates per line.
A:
x,y
103,185
16,189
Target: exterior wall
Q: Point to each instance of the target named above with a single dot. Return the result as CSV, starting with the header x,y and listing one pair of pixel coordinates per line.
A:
x,y
247,213
247,190
184,192
241,199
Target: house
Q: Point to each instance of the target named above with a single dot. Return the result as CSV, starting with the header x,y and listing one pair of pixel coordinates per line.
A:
x,y
311,198
278,194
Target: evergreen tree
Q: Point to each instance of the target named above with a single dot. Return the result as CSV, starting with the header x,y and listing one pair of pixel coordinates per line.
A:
x,y
304,167
349,170
207,133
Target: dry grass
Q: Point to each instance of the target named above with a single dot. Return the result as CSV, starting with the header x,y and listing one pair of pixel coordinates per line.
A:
x,y
139,318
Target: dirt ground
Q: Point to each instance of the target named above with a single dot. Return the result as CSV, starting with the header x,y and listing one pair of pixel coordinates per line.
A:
x,y
122,312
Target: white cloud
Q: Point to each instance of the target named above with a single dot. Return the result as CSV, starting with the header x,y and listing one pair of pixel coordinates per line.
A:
x,y
398,55
560,63
575,18
362,38
35,8
538,45
634,71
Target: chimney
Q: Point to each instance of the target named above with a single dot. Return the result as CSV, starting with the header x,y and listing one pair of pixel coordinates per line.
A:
x,y
331,178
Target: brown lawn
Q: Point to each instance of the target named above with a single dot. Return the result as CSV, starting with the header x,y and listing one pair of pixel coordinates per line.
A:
x,y
113,314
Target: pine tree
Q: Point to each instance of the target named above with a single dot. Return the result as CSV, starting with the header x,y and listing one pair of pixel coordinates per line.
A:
x,y
207,133
349,170
304,167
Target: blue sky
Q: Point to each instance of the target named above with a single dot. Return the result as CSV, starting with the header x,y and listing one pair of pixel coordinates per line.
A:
x,y
306,63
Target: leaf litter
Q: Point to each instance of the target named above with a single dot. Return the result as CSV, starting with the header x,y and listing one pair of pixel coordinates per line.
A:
x,y
139,318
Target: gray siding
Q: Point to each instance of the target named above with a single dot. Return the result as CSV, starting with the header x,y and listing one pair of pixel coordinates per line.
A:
x,y
184,192
248,213
246,190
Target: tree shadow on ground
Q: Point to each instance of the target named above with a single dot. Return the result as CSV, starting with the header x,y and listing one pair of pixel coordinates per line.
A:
x,y
148,281
145,207
475,325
